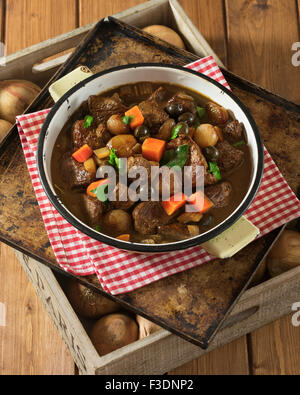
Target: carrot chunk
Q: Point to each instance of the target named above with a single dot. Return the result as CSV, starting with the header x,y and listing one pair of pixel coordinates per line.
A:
x,y
153,149
124,237
95,185
83,154
200,202
174,204
137,117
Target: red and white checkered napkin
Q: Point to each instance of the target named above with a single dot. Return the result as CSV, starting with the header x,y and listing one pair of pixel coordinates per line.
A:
x,y
119,271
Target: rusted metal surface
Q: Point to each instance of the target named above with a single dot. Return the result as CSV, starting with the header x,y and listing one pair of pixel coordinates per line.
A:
x,y
194,303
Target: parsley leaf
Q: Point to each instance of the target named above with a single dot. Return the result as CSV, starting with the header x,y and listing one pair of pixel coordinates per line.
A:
x,y
113,159
175,131
176,157
101,193
127,119
239,144
88,121
214,169
201,112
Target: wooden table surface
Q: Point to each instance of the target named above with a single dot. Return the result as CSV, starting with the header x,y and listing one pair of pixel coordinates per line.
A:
x,y
254,39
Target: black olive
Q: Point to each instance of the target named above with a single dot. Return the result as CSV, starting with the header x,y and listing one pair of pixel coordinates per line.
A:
x,y
175,109
211,153
184,130
141,133
207,220
187,117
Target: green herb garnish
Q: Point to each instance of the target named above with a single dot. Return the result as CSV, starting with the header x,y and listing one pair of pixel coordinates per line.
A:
x,y
88,121
175,131
239,144
116,162
113,159
214,169
97,228
176,157
201,112
127,119
101,193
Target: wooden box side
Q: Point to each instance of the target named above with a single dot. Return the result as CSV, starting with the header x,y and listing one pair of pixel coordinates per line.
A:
x,y
167,12
161,351
62,314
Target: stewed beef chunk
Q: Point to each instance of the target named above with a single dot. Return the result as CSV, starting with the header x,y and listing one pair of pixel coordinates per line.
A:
x,y
219,194
93,208
229,157
153,112
175,231
74,173
102,108
82,135
233,131
122,201
195,158
148,216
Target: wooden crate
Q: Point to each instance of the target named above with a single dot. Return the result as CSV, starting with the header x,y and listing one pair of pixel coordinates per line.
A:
x,y
162,351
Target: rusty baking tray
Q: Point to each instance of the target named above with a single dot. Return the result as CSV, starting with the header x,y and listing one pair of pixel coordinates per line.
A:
x,y
210,290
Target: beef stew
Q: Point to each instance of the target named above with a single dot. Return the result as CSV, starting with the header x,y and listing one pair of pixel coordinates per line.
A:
x,y
151,125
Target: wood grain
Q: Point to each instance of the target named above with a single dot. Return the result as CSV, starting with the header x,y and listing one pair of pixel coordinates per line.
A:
x,y
276,349
91,11
31,21
29,341
208,17
268,30
229,359
260,36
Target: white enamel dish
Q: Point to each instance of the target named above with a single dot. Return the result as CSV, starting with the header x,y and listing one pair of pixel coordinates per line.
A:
x,y
122,75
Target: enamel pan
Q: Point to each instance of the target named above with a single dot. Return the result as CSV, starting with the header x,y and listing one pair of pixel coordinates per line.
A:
x,y
122,75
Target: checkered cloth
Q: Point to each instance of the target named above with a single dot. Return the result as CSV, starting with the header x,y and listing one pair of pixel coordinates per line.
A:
x,y
119,271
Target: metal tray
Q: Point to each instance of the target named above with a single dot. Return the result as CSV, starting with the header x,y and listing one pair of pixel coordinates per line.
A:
x,y
211,290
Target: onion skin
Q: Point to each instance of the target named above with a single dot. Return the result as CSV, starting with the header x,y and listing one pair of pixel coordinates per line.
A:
x,y
166,34
146,327
5,127
112,332
88,303
15,97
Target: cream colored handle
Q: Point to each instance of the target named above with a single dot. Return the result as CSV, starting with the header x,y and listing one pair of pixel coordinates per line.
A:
x,y
232,240
64,84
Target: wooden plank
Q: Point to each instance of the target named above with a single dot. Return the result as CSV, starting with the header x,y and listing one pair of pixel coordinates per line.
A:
x,y
259,47
91,11
267,32
33,345
202,13
31,21
275,349
29,342
229,359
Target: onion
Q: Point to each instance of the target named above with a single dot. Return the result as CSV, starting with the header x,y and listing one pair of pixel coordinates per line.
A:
x,y
112,332
146,327
88,303
5,126
15,97
166,34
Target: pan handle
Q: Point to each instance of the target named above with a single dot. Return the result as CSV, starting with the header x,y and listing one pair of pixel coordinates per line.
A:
x,y
64,84
232,240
